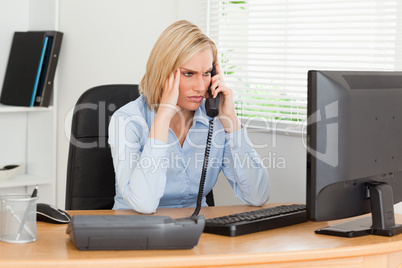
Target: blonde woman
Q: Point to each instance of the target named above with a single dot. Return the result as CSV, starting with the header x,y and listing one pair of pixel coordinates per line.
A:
x,y
158,141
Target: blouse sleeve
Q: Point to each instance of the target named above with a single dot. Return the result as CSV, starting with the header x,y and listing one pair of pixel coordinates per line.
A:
x,y
136,158
244,169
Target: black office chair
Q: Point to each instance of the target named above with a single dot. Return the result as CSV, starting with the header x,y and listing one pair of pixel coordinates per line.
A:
x,y
90,171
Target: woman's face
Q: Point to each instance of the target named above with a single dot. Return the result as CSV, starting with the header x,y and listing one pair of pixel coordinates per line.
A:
x,y
195,77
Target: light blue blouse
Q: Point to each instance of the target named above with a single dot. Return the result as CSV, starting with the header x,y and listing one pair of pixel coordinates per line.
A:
x,y
151,174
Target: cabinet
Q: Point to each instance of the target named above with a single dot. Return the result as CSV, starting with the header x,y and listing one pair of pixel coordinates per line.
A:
x,y
28,136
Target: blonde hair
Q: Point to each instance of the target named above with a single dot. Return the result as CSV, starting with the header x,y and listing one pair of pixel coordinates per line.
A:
x,y
177,44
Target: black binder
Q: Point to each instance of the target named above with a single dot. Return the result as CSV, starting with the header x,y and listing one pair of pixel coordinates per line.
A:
x,y
31,68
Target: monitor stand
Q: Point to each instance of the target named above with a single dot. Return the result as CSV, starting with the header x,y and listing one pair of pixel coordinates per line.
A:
x,y
381,222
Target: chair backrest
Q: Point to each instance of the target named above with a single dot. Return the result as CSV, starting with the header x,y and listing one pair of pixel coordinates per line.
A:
x,y
90,171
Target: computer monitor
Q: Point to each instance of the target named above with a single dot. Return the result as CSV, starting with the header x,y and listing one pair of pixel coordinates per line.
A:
x,y
354,155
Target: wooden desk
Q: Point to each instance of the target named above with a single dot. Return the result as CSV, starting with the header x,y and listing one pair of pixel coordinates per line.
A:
x,y
293,246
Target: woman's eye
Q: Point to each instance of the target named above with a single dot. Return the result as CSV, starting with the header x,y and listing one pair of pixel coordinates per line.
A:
x,y
188,74
207,73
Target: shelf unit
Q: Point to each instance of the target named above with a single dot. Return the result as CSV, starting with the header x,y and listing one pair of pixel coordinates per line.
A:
x,y
28,137
28,134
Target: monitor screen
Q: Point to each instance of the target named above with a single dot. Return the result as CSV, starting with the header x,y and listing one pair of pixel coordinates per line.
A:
x,y
354,155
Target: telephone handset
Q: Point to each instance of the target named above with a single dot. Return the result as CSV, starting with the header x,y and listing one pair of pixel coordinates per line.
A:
x,y
212,104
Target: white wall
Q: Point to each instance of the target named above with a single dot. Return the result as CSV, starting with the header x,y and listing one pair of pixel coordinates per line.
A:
x,y
14,16
285,158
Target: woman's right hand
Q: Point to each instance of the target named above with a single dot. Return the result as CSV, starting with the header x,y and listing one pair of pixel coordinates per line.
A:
x,y
170,95
167,108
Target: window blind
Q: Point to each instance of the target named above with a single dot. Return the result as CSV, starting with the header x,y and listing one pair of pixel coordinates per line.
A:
x,y
266,48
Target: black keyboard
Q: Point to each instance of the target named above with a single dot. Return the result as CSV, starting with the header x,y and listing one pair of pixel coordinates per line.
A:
x,y
256,220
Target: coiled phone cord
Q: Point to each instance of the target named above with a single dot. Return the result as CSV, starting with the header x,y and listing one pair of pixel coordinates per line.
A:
x,y
204,168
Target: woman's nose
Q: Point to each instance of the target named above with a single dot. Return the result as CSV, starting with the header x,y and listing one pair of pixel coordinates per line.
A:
x,y
200,84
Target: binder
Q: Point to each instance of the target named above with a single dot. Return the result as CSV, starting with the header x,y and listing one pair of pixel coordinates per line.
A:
x,y
50,63
31,68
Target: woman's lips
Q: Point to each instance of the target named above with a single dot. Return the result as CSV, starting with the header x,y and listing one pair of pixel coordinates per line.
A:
x,y
196,98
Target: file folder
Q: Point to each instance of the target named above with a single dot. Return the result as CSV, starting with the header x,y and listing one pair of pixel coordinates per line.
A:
x,y
31,68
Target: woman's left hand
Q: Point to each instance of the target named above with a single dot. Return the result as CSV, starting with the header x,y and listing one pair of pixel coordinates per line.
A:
x,y
227,112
